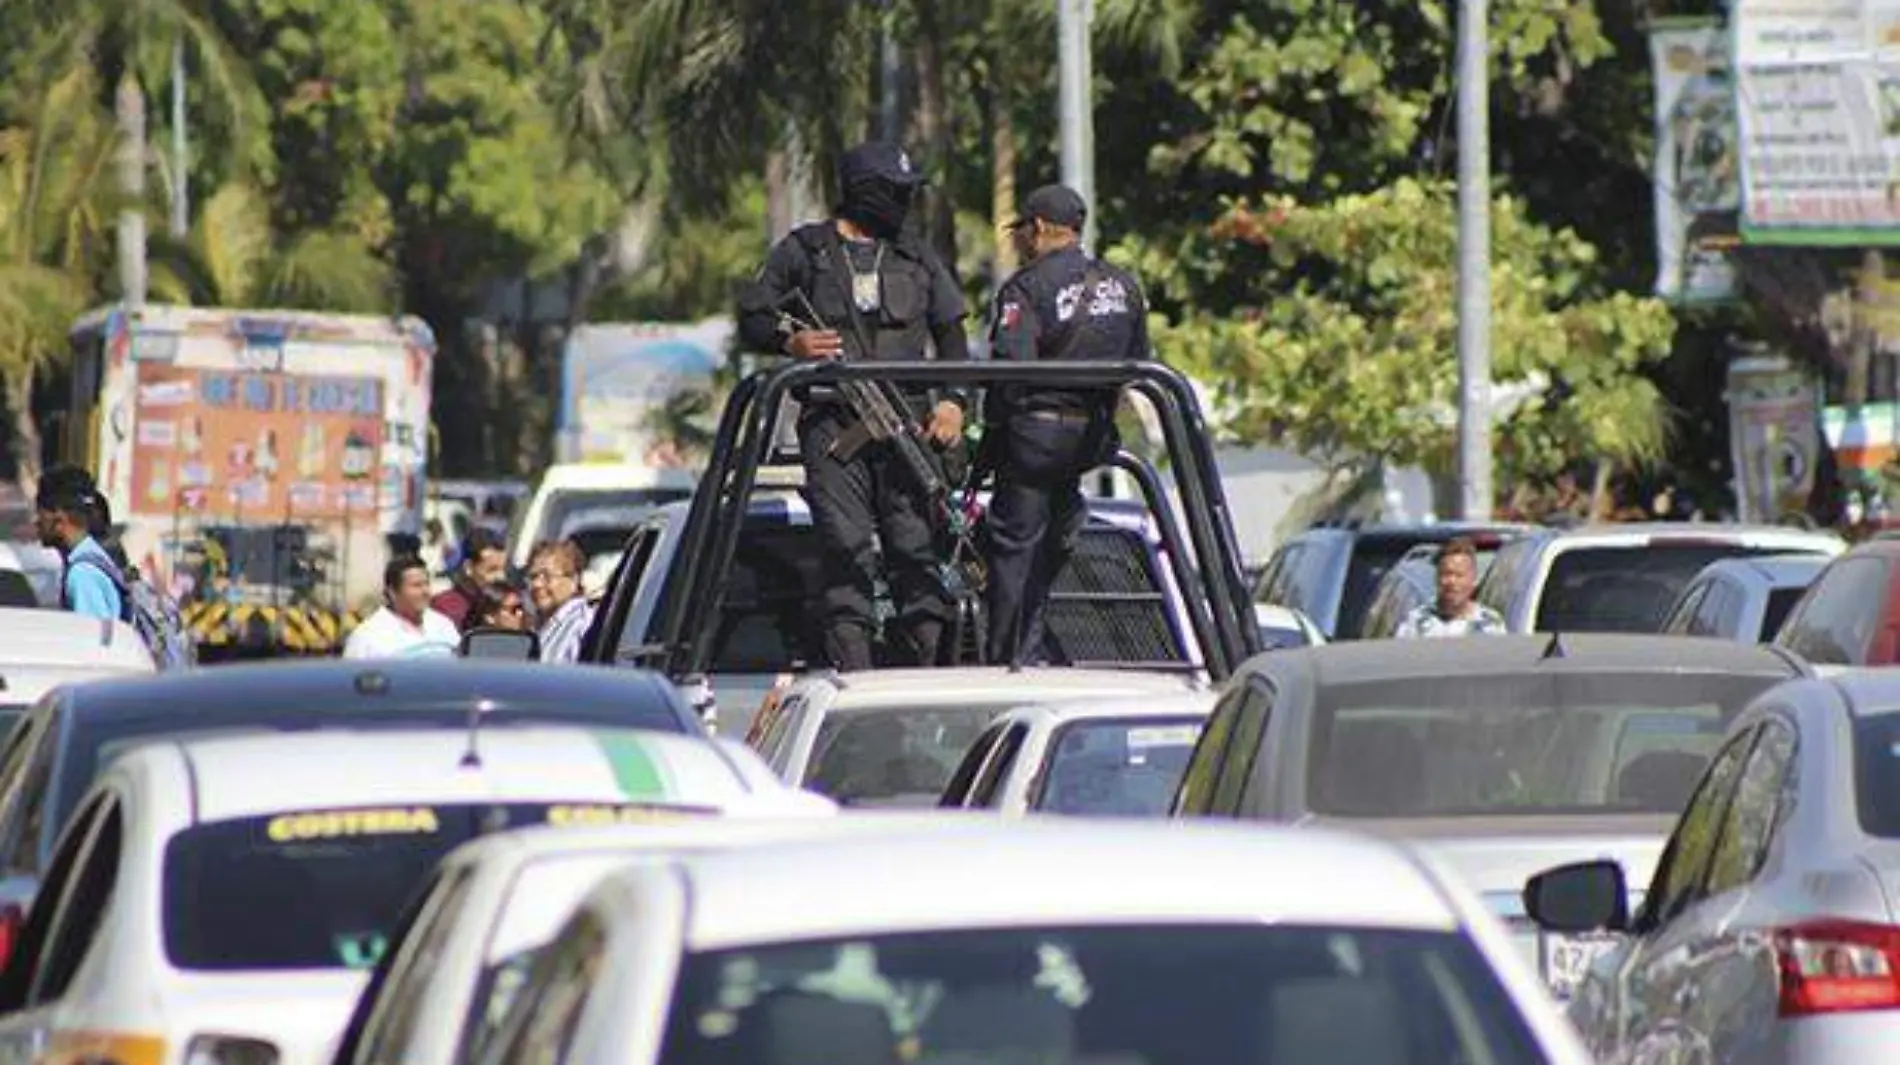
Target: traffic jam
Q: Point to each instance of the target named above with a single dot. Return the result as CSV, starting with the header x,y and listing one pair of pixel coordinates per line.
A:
x,y
1643,810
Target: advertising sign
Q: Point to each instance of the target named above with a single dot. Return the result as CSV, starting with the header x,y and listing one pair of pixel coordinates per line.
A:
x,y
224,441
1774,436
617,379
1818,103
1697,169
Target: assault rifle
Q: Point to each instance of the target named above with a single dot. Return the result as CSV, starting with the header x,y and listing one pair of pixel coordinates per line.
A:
x,y
883,416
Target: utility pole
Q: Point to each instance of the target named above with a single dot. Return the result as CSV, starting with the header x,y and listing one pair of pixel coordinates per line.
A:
x,y
129,105
1074,82
181,182
1474,263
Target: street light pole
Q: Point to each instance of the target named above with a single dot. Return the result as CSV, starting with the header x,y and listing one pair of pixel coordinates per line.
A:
x,y
1076,102
1474,263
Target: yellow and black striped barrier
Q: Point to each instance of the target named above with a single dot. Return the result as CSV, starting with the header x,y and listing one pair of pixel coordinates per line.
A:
x,y
229,630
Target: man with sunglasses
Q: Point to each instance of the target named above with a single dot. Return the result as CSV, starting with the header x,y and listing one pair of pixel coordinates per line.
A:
x,y
1064,305
859,286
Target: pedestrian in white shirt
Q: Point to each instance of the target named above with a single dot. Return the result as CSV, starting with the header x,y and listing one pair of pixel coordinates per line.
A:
x,y
404,626
554,583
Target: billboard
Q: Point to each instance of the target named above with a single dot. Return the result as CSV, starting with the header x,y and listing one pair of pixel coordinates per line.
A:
x,y
279,446
1774,436
1696,169
1818,104
615,378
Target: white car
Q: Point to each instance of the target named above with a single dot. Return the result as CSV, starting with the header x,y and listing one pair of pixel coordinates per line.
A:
x,y
44,649
1048,940
217,899
1622,578
567,489
1120,757
453,968
892,737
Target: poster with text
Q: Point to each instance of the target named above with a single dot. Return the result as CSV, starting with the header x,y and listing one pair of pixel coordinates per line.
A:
x,y
1818,104
1696,170
255,447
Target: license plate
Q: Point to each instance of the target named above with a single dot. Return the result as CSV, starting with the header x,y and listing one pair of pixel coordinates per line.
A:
x,y
1566,959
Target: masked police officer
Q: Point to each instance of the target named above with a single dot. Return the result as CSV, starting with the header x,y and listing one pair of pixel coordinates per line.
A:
x,y
1065,305
864,276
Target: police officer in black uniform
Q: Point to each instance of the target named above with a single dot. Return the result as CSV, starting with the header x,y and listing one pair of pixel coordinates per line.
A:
x,y
1065,305
863,263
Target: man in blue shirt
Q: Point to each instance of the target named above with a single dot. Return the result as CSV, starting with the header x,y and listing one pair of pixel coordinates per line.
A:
x,y
91,583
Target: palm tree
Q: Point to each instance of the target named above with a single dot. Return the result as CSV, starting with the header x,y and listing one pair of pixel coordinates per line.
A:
x,y
55,209
233,258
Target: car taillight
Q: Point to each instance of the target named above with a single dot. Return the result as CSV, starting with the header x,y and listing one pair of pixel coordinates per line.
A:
x,y
1835,966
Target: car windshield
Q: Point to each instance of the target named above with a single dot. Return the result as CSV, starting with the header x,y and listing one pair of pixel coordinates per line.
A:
x,y
311,889
95,740
1125,768
893,757
1780,603
1279,993
1626,587
1518,743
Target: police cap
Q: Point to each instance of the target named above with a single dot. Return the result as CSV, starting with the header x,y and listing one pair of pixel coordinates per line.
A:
x,y
878,160
1058,205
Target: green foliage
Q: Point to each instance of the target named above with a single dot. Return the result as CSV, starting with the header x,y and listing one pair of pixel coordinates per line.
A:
x,y
1343,342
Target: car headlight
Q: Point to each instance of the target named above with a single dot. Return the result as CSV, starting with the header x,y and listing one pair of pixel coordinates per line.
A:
x,y
229,1050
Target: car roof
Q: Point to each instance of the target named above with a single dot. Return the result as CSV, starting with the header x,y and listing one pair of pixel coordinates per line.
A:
x,y
1065,872
1767,536
1777,571
526,844
61,638
1436,532
1584,652
1182,704
380,685
1880,545
1868,691
988,684
253,774
612,475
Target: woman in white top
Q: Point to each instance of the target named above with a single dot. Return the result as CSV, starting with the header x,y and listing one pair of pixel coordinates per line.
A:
x,y
404,626
554,583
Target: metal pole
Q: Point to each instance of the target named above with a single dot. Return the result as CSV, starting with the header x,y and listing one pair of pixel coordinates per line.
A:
x,y
129,106
1076,103
181,182
1474,263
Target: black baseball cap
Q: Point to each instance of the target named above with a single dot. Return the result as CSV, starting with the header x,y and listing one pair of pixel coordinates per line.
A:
x,y
879,159
67,488
1058,205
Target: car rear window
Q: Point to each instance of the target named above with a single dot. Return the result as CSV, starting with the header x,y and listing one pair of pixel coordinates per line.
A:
x,y
1877,773
1116,768
1519,743
1780,603
893,757
320,888
1373,558
1271,992
95,740
1626,588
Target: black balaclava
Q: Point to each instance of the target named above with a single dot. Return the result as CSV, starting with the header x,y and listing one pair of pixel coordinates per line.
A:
x,y
878,205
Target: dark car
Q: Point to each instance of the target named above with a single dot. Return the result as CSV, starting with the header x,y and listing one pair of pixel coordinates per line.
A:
x,y
1850,615
1330,572
56,750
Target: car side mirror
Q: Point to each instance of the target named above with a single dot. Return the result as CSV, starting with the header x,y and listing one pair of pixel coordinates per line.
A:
x,y
12,921
510,645
1580,897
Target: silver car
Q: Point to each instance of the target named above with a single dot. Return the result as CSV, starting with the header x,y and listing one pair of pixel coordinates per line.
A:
x,y
1743,599
1768,932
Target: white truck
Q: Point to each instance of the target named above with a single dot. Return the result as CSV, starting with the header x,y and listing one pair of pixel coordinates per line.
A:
x,y
285,437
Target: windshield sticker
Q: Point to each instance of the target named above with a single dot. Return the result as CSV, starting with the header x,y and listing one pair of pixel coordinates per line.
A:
x,y
611,814
337,824
360,950
1163,736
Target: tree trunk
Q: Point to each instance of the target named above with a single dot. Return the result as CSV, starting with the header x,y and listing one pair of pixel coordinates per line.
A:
x,y
1864,344
1002,178
25,435
129,106
933,128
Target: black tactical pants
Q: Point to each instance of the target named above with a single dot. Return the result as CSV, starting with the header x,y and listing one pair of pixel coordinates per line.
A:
x,y
873,493
1035,514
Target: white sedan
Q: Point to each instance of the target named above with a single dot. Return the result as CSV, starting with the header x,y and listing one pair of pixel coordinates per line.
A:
x,y
455,965
1036,940
216,900
892,737
1118,757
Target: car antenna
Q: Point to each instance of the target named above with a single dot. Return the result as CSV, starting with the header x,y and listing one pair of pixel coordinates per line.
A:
x,y
1555,648
472,757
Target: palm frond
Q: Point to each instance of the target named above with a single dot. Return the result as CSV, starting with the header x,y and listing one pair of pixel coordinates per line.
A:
x,y
326,270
